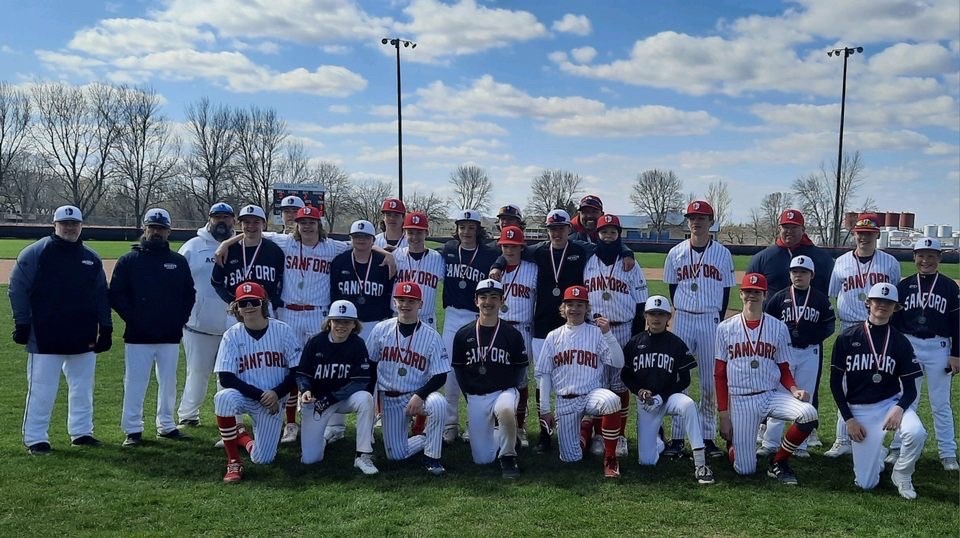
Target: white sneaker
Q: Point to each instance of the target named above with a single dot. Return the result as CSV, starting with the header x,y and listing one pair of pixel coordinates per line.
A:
x,y
801,453
813,441
332,435
839,448
218,444
450,434
763,451
364,462
622,449
465,435
761,432
892,456
596,445
378,423
290,433
904,484
522,435
950,464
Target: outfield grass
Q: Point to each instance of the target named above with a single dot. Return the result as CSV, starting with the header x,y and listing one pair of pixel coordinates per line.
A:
x,y
171,488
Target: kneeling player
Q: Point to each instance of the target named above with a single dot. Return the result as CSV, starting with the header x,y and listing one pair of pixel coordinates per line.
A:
x,y
571,362
335,376
254,365
412,365
490,361
657,368
751,364
873,379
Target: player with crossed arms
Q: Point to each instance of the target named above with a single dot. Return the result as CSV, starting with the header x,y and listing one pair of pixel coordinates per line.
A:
x,y
255,367
491,362
657,368
751,367
412,364
571,364
853,274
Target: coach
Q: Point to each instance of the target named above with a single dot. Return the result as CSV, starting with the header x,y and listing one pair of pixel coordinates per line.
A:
x,y
773,262
58,293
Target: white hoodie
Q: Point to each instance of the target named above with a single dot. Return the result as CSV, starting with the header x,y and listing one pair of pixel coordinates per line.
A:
x,y
209,311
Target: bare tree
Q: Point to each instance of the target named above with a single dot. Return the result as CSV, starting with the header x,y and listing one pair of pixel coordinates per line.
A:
x,y
434,207
719,197
735,233
209,165
294,167
14,142
757,225
657,193
366,198
337,185
28,185
552,189
769,212
816,195
260,135
146,154
472,188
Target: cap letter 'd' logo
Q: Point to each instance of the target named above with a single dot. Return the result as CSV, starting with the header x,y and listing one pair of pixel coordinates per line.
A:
x,y
393,205
416,219
753,280
343,309
927,243
69,211
576,292
696,205
790,214
510,234
658,302
885,290
247,288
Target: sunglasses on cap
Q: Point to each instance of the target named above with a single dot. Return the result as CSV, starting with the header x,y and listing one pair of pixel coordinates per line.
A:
x,y
248,303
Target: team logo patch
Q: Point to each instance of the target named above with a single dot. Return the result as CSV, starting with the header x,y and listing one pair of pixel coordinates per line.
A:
x,y
169,266
753,279
342,309
415,219
658,302
247,288
801,259
393,204
407,288
249,210
576,292
69,211
511,234
790,215
87,262
696,206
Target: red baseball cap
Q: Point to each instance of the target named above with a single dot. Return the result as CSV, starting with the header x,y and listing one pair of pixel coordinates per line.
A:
x,y
867,222
416,221
591,201
410,290
699,207
249,290
608,220
576,293
791,216
511,235
307,212
393,205
754,281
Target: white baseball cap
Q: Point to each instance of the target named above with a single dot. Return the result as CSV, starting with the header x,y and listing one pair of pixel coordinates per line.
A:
x,y
156,217
803,262
488,285
364,227
885,291
67,213
558,217
342,310
657,303
468,215
252,211
291,201
927,243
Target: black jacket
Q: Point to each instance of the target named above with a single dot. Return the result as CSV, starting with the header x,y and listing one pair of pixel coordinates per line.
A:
x,y
152,290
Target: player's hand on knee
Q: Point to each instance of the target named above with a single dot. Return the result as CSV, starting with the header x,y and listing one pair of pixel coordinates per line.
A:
x,y
726,426
644,395
800,394
894,417
495,274
855,431
414,406
953,364
306,397
628,263
270,400
548,422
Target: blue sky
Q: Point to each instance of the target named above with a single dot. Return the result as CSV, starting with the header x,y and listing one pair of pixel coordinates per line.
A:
x,y
725,90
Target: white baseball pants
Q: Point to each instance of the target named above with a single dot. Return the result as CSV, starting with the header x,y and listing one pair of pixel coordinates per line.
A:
x,y
648,426
138,360
337,422
200,351
570,411
746,412
482,410
398,444
312,440
933,354
266,426
699,332
305,323
453,320
868,454
803,365
43,381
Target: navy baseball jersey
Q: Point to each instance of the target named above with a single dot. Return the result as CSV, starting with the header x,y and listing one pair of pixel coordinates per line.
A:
x,y
660,363
326,367
558,269
931,307
464,270
263,264
808,315
491,363
873,374
367,285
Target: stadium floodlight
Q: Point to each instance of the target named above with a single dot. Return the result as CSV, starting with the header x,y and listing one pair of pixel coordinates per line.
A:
x,y
847,52
395,43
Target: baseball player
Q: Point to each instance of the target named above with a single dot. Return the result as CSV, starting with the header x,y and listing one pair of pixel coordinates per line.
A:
x,y
853,274
490,360
699,272
618,295
335,375
61,313
510,215
255,365
872,378
808,314
792,241
152,291
519,280
751,367
251,259
289,207
930,319
204,329
361,277
468,259
584,223
571,364
392,237
417,263
656,367
412,364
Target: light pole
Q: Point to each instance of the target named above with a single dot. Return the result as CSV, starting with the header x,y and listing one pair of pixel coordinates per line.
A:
x,y
395,43
846,52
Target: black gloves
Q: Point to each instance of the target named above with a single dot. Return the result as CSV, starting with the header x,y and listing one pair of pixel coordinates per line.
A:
x,y
21,333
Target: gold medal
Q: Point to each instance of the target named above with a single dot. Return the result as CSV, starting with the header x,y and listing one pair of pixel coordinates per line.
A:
x,y
862,296
402,371
877,378
694,287
754,363
504,308
606,296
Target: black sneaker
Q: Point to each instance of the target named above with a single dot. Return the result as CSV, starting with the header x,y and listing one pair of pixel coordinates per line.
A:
x,y
508,467
782,472
132,440
192,422
674,449
433,466
704,475
40,449
86,440
544,443
174,434
710,449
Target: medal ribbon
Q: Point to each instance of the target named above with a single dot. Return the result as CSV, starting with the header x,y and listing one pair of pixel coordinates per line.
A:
x,y
300,262
797,310
469,263
485,353
697,266
553,264
746,332
863,274
353,262
924,303
873,349
396,335
506,289
247,268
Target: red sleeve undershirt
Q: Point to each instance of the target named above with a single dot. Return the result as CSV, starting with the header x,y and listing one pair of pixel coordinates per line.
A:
x,y
786,378
720,377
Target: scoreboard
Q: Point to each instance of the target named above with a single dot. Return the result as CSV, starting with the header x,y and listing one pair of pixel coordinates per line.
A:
x,y
311,194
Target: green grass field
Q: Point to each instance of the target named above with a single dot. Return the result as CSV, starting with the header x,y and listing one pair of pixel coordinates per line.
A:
x,y
174,488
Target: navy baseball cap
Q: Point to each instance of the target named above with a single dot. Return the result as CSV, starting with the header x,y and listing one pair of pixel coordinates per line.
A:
x,y
220,208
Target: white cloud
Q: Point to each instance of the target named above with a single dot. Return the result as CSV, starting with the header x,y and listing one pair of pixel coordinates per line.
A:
x,y
573,24
339,109
872,21
584,55
942,149
450,154
7,49
634,122
123,37
913,59
434,131
68,63
336,49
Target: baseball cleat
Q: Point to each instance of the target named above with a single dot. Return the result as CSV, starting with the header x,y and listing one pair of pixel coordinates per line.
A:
x,y
433,466
622,449
465,436
544,443
783,473
192,422
508,468
290,433
813,441
234,472
522,437
596,445
764,452
450,434
839,448
611,468
219,443
364,462
39,449
704,475
174,434
86,440
710,449
892,456
674,449
332,435
132,440
801,453
949,464
761,432
904,484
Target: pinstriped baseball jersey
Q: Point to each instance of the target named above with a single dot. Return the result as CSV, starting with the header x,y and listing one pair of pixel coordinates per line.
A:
x,y
624,289
752,355
700,280
263,362
520,292
307,270
427,271
851,278
380,240
404,364
574,358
